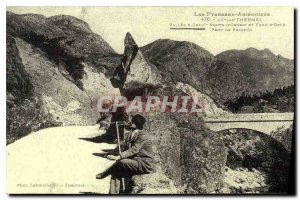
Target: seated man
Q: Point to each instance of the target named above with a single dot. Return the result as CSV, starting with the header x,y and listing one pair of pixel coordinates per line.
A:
x,y
137,157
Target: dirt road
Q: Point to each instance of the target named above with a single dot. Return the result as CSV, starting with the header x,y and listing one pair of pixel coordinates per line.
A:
x,y
57,160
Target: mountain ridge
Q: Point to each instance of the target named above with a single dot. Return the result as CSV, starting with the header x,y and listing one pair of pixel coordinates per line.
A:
x,y
220,74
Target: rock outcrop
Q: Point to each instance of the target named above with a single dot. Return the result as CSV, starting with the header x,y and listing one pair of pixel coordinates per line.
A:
x,y
134,68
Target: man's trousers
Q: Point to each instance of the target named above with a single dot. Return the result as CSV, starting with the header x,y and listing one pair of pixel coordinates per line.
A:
x,y
124,168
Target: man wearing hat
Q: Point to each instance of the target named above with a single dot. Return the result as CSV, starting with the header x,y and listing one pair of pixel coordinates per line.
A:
x,y
136,158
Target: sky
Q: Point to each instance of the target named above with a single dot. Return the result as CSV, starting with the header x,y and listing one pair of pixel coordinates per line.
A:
x,y
147,24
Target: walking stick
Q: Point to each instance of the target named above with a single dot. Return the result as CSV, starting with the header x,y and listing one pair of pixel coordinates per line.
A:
x,y
118,137
120,151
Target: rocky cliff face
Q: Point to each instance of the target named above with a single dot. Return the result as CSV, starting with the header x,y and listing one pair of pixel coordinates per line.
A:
x,y
55,71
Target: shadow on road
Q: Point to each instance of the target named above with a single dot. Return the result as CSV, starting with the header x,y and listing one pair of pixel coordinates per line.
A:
x,y
105,138
107,152
108,137
102,155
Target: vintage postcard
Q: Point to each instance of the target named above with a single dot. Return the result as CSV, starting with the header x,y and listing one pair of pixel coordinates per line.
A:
x,y
150,100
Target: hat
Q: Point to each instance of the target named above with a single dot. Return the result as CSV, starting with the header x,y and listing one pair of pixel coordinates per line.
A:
x,y
139,121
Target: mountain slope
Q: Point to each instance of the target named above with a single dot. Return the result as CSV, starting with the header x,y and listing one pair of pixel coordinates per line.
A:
x,y
262,70
224,76
180,62
56,69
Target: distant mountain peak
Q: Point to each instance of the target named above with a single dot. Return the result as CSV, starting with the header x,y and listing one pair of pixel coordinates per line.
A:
x,y
265,51
163,47
64,21
251,49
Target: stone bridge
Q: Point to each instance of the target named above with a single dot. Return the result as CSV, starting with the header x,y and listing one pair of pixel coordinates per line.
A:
x,y
262,122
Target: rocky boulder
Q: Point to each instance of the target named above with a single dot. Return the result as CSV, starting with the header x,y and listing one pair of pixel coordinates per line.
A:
x,y
65,39
188,153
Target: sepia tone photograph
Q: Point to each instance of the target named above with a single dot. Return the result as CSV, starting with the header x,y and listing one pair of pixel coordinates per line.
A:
x,y
150,100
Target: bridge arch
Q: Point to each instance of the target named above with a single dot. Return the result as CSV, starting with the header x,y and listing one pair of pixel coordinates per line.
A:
x,y
262,122
256,150
249,129
264,127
